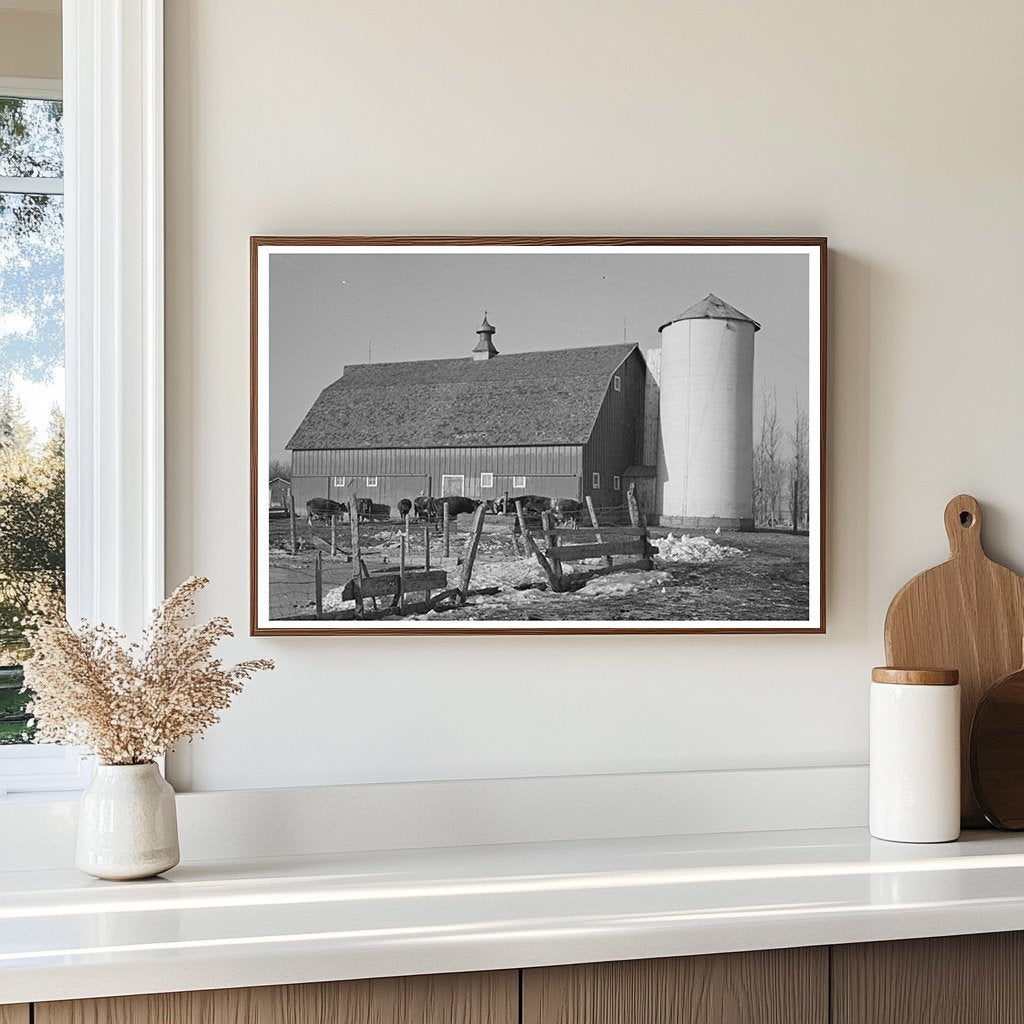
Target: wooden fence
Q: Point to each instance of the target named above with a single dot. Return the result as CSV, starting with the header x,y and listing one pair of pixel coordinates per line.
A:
x,y
552,546
364,587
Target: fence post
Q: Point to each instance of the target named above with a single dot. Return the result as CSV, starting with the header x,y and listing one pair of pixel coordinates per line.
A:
x,y
470,557
447,529
426,555
401,569
592,512
638,518
551,540
531,545
334,536
357,561
318,584
291,514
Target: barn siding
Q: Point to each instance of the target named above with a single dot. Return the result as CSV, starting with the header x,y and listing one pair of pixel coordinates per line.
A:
x,y
618,436
551,470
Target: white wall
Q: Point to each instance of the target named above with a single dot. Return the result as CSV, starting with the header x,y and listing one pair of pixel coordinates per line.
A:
x,y
894,129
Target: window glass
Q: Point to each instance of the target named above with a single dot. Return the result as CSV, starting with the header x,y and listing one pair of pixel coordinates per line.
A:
x,y
31,138
31,387
595,481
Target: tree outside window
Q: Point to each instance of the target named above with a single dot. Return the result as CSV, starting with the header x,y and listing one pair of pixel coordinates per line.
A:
x,y
31,386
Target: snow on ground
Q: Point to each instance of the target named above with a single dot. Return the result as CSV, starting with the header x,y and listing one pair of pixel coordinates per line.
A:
x,y
691,550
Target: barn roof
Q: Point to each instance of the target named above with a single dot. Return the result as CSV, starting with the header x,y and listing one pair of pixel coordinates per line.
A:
x,y
523,398
712,308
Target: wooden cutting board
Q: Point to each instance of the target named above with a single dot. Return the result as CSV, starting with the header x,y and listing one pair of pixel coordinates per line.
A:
x,y
967,614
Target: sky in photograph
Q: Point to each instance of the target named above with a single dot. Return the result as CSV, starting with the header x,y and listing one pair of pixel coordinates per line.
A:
x,y
329,311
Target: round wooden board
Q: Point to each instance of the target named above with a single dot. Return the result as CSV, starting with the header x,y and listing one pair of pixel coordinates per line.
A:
x,y
997,752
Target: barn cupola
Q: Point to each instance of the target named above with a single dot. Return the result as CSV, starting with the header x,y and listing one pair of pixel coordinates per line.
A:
x,y
484,346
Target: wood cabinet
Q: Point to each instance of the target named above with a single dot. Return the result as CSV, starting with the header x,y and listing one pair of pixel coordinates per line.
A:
x,y
483,998
962,979
777,986
967,979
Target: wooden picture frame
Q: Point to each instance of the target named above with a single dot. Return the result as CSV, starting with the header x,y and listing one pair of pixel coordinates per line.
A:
x,y
638,492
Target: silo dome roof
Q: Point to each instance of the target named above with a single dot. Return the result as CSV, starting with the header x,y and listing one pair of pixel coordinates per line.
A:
x,y
712,308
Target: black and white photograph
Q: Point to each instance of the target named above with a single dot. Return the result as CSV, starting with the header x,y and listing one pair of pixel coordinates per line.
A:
x,y
537,435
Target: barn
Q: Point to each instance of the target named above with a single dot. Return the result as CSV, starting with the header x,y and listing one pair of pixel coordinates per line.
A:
x,y
563,423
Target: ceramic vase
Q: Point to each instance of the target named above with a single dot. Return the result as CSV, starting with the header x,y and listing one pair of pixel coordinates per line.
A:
x,y
127,825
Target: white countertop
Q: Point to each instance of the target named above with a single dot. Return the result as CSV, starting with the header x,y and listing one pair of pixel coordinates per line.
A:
x,y
351,915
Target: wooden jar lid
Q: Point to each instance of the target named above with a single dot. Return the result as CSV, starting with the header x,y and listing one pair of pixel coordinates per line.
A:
x,y
916,676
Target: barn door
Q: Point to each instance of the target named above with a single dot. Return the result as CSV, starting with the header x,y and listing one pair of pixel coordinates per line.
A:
x,y
453,485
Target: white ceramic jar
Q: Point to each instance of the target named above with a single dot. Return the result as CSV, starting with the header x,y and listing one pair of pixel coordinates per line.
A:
x,y
915,755
127,823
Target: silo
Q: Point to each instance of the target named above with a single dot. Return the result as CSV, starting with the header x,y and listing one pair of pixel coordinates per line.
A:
x,y
706,454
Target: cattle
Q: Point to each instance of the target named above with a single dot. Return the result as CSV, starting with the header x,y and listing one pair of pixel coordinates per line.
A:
x,y
323,508
564,510
364,507
421,505
532,503
456,505
404,507
432,509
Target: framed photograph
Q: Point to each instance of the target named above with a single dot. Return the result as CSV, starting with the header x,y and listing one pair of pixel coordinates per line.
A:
x,y
537,435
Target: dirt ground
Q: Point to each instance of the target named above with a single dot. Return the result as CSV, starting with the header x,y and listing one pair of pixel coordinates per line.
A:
x,y
698,576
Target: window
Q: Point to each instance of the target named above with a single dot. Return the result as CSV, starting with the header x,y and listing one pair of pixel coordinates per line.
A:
x,y
617,382
595,481
371,481
486,480
339,481
32,557
114,313
519,483
616,483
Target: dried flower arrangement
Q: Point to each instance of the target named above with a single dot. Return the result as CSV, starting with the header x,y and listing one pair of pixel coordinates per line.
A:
x,y
130,703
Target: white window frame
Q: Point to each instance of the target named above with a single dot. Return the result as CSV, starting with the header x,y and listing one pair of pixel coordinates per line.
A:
x,y
486,481
372,481
338,481
518,483
114,348
616,483
595,481
617,382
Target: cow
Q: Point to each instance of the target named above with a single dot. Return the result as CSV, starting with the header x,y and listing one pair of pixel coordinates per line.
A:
x,y
565,510
456,505
532,503
323,508
421,506
432,509
364,507
404,507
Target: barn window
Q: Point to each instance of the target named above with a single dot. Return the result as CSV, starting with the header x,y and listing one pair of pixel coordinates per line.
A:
x,y
339,481
617,382
371,481
519,482
616,483
595,481
486,480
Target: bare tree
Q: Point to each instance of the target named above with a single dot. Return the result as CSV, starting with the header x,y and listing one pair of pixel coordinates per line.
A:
x,y
769,469
280,470
799,470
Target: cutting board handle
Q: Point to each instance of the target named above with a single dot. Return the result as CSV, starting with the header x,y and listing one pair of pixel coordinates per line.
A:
x,y
963,526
